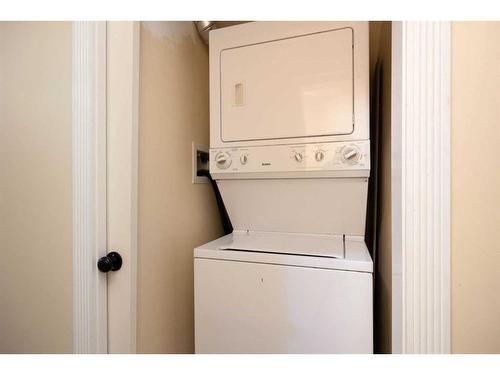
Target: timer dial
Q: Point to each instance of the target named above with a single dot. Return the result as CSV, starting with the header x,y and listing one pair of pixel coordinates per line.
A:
x,y
222,160
351,154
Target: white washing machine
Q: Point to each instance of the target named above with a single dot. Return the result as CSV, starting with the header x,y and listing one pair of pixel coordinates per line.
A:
x,y
290,151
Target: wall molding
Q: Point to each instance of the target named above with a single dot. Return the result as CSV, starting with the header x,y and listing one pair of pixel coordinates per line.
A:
x,y
421,66
89,186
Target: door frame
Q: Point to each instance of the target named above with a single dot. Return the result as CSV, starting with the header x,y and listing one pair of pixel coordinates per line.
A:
x,y
420,185
89,186
105,179
123,38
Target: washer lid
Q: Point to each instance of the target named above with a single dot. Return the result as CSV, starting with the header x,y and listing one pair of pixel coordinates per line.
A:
x,y
328,246
314,251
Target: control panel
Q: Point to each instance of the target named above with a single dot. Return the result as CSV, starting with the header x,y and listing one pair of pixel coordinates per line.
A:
x,y
334,156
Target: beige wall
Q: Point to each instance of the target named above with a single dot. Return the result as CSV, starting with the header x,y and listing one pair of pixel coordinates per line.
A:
x,y
475,188
174,215
35,188
380,47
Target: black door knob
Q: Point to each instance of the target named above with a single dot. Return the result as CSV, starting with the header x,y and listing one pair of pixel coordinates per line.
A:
x,y
110,262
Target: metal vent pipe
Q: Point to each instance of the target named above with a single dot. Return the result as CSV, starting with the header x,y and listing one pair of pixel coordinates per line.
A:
x,y
204,27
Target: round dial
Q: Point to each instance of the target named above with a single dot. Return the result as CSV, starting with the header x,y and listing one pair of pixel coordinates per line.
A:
x,y
298,157
351,154
320,155
222,160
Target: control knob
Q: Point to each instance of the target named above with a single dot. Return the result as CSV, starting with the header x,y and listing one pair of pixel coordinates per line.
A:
x,y
319,156
350,154
298,157
222,160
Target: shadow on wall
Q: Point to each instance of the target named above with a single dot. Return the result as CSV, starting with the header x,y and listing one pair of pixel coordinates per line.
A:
x,y
380,48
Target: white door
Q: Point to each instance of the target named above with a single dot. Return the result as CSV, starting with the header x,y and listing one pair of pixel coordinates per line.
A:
x,y
246,307
288,88
67,196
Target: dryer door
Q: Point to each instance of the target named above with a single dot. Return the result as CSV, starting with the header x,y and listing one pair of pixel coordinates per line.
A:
x,y
288,88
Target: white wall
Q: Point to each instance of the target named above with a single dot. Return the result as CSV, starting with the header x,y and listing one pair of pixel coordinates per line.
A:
x,y
35,188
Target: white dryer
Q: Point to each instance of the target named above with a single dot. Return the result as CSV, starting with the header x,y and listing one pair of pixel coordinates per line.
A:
x,y
290,151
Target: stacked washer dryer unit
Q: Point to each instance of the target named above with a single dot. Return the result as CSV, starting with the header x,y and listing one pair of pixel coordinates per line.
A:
x,y
289,149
